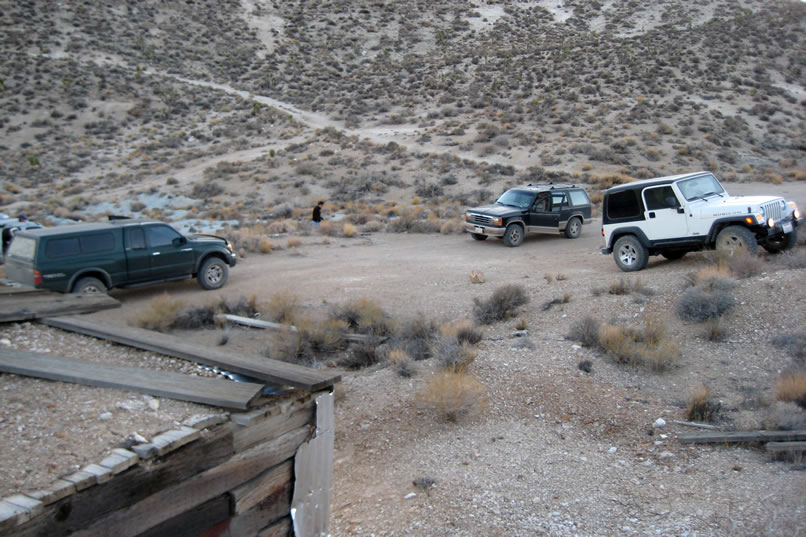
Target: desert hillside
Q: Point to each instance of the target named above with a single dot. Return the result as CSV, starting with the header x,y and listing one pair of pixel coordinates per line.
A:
x,y
251,107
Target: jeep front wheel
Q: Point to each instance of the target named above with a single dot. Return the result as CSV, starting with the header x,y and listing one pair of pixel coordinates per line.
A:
x,y
786,242
630,254
573,228
514,235
479,236
735,239
213,274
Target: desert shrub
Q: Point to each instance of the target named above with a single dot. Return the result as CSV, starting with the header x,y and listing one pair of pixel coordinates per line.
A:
x,y
565,299
161,313
402,363
648,347
416,337
364,316
714,329
325,336
280,226
586,331
265,246
744,264
794,344
453,395
203,316
522,324
361,356
502,304
713,278
451,227
349,230
699,406
206,190
373,226
283,307
293,242
463,331
791,388
585,365
785,417
453,355
698,304
793,259
285,345
623,286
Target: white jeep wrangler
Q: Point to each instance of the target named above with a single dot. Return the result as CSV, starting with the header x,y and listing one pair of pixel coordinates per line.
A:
x,y
671,216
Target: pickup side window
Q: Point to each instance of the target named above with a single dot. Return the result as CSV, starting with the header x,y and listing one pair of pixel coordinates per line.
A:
x,y
161,235
661,197
623,205
97,242
136,238
62,247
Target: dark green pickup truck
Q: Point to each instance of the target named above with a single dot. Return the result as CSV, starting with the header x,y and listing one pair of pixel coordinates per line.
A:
x,y
91,258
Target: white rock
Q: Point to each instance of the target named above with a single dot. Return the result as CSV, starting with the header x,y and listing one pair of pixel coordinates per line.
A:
x,y
137,437
5,341
410,495
154,404
612,450
666,455
660,422
106,416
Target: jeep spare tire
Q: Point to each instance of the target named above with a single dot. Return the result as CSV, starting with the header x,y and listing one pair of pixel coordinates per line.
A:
x,y
735,239
630,254
213,274
514,235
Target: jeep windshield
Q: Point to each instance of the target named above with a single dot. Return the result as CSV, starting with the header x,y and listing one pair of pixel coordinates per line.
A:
x,y
517,198
700,187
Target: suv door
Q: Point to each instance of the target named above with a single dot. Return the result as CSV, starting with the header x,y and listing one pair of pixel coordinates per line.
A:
x,y
663,213
546,210
171,256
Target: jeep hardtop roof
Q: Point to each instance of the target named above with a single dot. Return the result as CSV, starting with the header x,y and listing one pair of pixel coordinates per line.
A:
x,y
81,228
656,181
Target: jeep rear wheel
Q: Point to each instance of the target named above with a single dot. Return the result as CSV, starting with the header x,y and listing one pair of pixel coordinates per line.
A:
x,y
786,242
573,228
479,236
89,286
213,274
514,235
735,239
630,254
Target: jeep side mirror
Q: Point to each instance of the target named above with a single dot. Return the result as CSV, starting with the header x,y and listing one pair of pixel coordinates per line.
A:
x,y
681,210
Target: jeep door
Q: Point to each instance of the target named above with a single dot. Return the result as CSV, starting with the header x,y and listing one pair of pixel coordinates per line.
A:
x,y
171,256
545,212
664,216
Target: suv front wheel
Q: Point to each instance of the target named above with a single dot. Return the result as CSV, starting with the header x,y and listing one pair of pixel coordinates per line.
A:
x,y
630,254
514,235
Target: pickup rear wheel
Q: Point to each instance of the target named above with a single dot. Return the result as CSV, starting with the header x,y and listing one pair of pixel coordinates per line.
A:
x,y
89,286
479,236
573,228
630,254
213,274
735,239
514,235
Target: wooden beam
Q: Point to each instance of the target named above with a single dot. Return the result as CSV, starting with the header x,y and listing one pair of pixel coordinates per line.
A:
x,y
784,447
210,391
257,323
742,436
30,306
270,371
195,521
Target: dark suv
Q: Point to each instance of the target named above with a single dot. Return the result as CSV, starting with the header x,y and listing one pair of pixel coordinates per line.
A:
x,y
91,258
545,208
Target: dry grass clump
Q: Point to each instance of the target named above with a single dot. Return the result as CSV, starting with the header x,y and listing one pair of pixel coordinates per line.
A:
x,y
624,286
791,388
452,227
416,336
714,329
283,307
402,363
463,331
714,278
361,356
364,316
699,406
699,304
648,347
794,344
326,336
793,259
293,242
453,355
453,395
502,304
349,230
477,276
161,314
586,331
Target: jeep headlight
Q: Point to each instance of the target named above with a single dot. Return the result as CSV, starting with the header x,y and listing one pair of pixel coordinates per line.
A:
x,y
795,210
771,221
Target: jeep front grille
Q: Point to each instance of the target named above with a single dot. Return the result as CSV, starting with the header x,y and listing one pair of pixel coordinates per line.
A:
x,y
773,210
480,219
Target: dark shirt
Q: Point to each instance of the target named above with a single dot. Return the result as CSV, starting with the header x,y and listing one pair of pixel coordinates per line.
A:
x,y
317,214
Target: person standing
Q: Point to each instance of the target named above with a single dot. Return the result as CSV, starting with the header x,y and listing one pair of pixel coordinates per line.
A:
x,y
317,216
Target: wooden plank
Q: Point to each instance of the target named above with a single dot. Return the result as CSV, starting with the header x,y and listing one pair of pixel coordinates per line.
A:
x,y
246,437
12,288
271,371
282,528
12,515
253,493
119,460
134,485
173,501
56,491
30,306
695,424
210,391
742,436
783,447
195,521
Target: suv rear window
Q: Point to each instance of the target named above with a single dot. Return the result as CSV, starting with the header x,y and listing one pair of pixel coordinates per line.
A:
x,y
622,205
22,248
578,197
